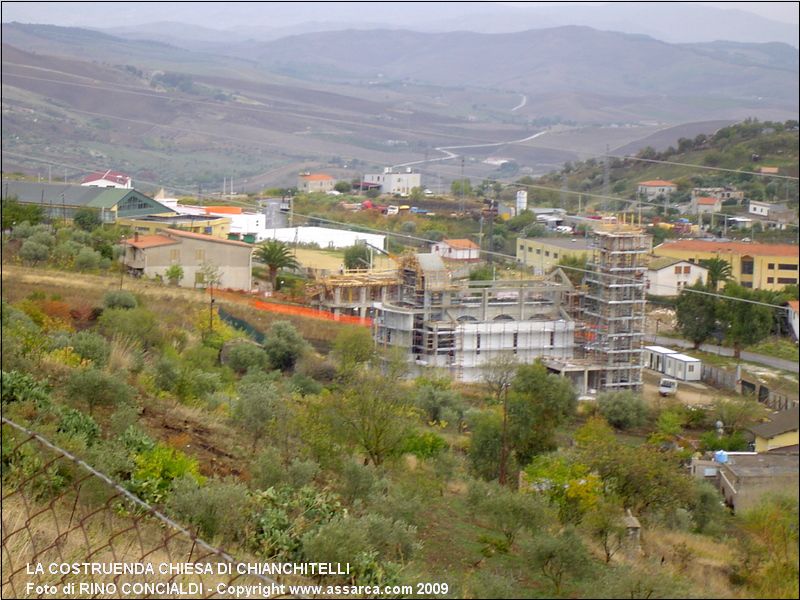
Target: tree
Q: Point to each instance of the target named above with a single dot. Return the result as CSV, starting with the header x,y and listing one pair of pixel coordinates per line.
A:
x,y
719,271
505,510
258,406
461,187
284,345
623,410
604,524
87,218
696,314
34,252
485,443
568,485
539,402
15,213
574,267
744,322
174,274
371,413
352,348
96,387
357,257
276,255
343,187
211,275
558,556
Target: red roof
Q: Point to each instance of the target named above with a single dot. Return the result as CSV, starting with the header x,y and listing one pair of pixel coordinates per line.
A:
x,y
742,248
225,210
114,176
794,305
657,183
316,177
150,241
705,200
204,237
462,244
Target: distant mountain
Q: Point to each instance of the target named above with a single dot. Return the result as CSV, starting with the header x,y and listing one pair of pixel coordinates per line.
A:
x,y
674,22
564,59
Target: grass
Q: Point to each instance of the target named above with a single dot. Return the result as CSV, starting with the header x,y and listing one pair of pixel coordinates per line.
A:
x,y
777,348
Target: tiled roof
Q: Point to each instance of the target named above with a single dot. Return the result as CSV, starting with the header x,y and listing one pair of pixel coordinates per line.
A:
x,y
205,238
462,244
150,241
657,183
781,422
705,200
316,177
224,210
114,176
742,248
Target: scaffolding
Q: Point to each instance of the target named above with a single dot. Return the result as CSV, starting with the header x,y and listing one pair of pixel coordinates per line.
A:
x,y
614,306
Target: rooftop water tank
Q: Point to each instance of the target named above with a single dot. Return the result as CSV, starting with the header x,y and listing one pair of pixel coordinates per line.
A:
x,y
721,456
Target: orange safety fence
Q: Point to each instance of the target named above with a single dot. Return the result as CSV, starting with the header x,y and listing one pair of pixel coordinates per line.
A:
x,y
292,309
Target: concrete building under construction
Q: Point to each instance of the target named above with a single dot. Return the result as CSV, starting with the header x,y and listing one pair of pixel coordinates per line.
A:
x,y
460,326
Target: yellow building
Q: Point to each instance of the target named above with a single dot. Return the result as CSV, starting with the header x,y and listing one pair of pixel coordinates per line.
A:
x,y
780,433
544,253
214,226
753,265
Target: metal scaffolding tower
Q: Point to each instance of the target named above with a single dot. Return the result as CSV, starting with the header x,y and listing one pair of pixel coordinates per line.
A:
x,y
614,305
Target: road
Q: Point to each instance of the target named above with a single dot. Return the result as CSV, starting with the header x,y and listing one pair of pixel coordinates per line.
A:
x,y
522,103
767,361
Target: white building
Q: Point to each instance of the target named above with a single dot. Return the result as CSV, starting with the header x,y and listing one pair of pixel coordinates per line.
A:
x,y
108,179
657,187
793,308
668,276
702,205
654,357
683,367
392,182
325,237
459,249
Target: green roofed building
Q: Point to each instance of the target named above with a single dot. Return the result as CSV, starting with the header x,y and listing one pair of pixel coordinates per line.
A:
x,y
60,201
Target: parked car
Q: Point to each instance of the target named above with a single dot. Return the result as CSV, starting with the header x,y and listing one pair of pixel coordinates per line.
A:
x,y
667,387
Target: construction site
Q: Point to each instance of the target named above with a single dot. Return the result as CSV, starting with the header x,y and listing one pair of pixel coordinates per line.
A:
x,y
591,333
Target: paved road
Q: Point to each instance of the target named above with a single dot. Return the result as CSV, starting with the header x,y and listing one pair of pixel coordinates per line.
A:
x,y
768,361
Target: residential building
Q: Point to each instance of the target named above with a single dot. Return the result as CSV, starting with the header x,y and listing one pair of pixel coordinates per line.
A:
x,y
656,188
780,433
720,193
458,249
706,204
761,209
668,276
460,326
772,216
59,201
354,293
108,179
792,310
753,265
152,255
326,237
315,182
206,224
543,254
393,182
745,478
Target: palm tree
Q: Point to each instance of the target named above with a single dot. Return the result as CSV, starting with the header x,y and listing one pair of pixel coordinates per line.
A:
x,y
719,271
276,255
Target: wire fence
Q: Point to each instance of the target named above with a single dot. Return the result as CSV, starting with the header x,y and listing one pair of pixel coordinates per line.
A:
x,y
66,524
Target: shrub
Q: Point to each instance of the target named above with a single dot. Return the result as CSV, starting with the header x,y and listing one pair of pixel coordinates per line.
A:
x,y
267,469
77,423
91,346
87,259
174,274
119,299
97,388
304,385
734,442
21,387
137,323
358,481
423,445
157,468
217,509
284,345
33,252
301,472
623,410
243,356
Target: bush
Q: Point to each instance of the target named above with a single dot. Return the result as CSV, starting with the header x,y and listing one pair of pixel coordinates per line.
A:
x,y
76,423
284,345
267,470
623,410
119,299
217,509
33,252
423,445
21,387
87,259
304,385
91,346
157,468
137,323
243,356
734,442
97,388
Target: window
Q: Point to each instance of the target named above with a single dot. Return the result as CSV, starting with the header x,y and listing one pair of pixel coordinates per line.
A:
x,y
174,254
547,252
538,251
687,270
771,266
748,284
784,267
691,368
770,280
552,338
478,343
516,338
677,270
787,280
200,254
747,267
555,254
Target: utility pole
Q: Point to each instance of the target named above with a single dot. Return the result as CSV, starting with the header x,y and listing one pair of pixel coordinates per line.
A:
x,y
211,307
461,187
504,438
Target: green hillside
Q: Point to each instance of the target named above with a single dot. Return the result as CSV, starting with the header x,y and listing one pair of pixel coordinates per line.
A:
x,y
744,147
